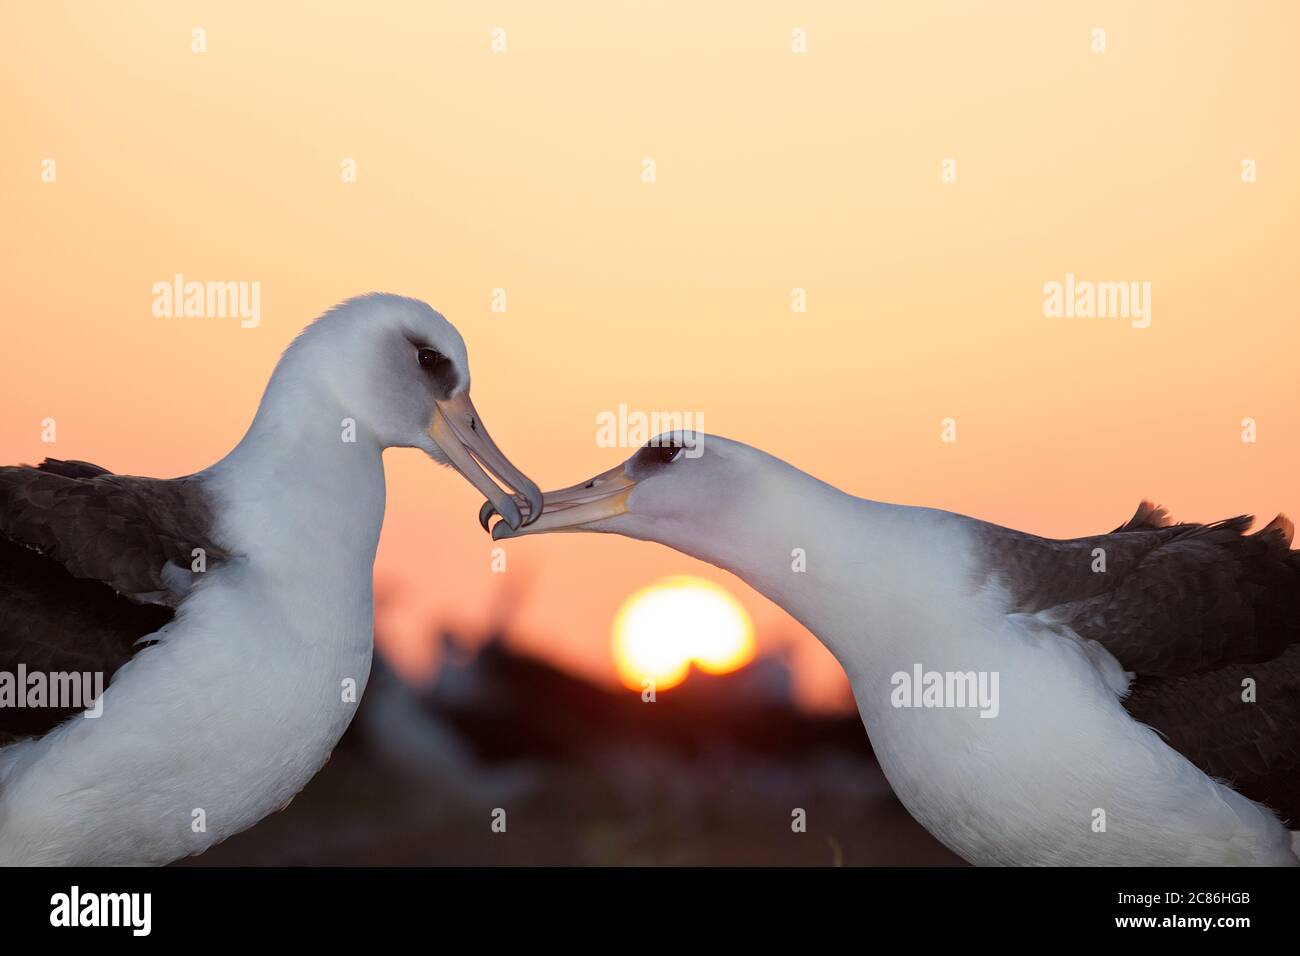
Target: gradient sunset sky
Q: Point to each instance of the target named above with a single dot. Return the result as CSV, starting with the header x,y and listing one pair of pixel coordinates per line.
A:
x,y
775,170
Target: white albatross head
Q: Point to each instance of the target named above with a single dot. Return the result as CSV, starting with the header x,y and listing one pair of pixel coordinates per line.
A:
x,y
400,370
677,489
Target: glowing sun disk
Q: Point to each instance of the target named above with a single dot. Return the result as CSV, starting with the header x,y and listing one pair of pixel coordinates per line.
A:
x,y
661,630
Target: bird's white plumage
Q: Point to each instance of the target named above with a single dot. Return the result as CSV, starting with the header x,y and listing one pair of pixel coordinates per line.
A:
x,y
258,675
887,588
242,699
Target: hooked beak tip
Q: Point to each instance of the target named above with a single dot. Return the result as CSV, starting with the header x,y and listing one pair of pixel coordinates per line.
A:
x,y
509,512
533,495
511,520
485,513
457,430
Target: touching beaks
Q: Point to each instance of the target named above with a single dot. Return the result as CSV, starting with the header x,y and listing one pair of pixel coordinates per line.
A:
x,y
569,509
460,433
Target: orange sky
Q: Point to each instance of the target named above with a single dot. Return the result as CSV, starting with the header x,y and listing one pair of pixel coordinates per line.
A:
x,y
522,170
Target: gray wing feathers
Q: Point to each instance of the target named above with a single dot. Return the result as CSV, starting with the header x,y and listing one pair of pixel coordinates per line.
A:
x,y
1162,598
1207,616
117,529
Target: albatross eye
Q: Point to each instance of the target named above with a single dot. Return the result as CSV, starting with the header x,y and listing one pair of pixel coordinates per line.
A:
x,y
661,454
440,370
430,358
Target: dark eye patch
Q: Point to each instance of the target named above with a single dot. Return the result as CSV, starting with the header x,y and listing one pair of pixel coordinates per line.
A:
x,y
656,456
430,358
440,368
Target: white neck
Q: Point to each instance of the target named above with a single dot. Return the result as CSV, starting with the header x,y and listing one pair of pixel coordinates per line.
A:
x,y
300,480
870,552
253,682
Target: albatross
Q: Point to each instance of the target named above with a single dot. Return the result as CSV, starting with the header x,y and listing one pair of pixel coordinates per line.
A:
x,y
1147,680
230,612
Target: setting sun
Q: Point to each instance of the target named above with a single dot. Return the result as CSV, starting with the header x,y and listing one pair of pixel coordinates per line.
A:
x,y
661,630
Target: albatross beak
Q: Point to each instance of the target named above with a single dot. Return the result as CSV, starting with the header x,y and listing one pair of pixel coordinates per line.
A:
x,y
569,509
460,433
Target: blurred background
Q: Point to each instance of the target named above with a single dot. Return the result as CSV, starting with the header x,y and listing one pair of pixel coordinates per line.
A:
x,y
723,770
919,171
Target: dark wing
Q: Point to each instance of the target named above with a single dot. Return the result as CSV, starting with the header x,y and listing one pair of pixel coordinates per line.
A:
x,y
1206,616
1164,599
90,563
130,533
1254,747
